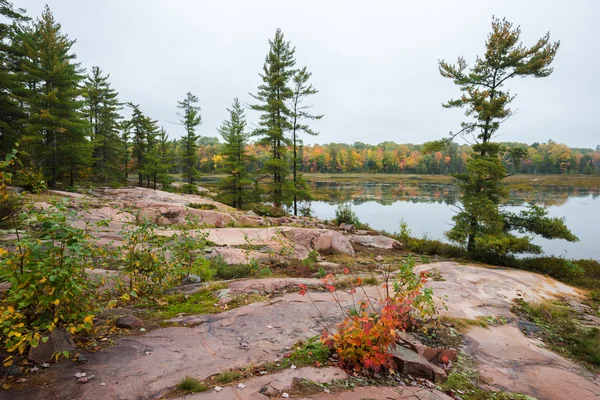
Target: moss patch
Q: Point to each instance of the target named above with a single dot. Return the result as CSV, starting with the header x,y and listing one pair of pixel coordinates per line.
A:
x,y
562,330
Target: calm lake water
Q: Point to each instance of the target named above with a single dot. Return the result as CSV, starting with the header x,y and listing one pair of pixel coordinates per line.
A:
x,y
428,209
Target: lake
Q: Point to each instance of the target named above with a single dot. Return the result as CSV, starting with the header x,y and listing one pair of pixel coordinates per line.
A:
x,y
428,209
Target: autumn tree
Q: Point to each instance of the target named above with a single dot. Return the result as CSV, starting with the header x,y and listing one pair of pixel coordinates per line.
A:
x,y
300,114
274,95
190,118
482,225
236,187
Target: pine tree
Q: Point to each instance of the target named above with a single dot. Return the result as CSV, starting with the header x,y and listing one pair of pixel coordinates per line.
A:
x,y
299,113
190,118
481,225
235,189
274,95
158,161
56,125
102,110
144,131
12,88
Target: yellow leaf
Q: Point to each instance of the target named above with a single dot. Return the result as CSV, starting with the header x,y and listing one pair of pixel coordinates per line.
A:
x,y
16,334
3,252
56,302
72,329
11,309
89,318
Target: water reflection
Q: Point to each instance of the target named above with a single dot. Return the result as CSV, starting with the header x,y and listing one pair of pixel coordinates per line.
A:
x,y
388,193
428,209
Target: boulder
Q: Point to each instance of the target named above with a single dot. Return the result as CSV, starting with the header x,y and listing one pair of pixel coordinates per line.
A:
x,y
379,258
129,322
191,279
348,228
414,364
322,240
58,341
378,242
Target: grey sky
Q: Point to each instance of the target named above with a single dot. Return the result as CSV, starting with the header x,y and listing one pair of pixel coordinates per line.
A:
x,y
374,62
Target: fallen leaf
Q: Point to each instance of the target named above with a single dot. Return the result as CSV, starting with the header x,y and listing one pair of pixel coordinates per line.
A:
x,y
241,386
293,366
285,395
218,388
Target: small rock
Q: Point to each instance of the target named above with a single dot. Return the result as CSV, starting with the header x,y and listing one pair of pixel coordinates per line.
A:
x,y
241,386
379,258
285,395
220,224
191,279
218,388
129,322
81,359
14,370
224,300
348,227
58,341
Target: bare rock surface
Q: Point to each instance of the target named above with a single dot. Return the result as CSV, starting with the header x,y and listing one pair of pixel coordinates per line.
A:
x,y
277,383
510,361
384,393
143,367
378,242
322,240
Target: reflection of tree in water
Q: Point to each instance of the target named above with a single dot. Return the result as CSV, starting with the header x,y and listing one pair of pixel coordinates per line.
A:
x,y
425,192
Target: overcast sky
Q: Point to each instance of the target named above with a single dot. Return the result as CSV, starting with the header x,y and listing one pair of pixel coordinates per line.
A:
x,y
374,62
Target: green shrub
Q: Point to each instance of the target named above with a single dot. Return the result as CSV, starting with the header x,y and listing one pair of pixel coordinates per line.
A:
x,y
191,385
202,206
265,272
235,271
50,288
31,179
345,215
267,210
189,189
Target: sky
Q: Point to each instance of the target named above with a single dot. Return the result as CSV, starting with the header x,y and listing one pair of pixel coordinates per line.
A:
x,y
373,62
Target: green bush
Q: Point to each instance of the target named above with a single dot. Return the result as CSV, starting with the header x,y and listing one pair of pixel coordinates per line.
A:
x,y
235,271
31,179
345,215
202,206
50,288
191,385
189,189
267,210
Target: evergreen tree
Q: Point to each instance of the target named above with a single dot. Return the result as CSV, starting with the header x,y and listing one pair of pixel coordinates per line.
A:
x,y
235,189
274,95
144,131
299,113
56,125
481,225
190,118
12,88
102,110
157,163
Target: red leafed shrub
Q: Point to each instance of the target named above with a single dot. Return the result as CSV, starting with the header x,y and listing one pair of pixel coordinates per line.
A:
x,y
364,338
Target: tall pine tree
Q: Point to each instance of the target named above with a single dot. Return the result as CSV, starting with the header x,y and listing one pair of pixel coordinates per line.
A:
x,y
482,226
274,94
12,88
300,114
56,127
102,111
236,187
190,118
